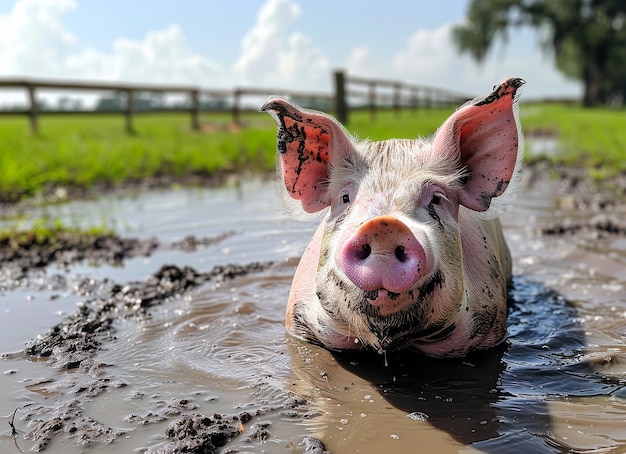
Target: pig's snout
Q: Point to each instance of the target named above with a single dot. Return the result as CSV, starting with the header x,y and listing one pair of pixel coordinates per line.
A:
x,y
383,253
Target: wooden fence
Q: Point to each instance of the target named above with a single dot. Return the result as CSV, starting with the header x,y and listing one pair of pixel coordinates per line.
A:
x,y
392,94
379,94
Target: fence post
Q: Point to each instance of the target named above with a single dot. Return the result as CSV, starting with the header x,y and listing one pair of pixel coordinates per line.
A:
x,y
236,101
341,106
414,99
195,110
396,98
372,100
129,111
32,114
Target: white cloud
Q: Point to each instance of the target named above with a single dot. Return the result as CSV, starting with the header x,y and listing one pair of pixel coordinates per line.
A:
x,y
361,62
303,66
262,45
162,56
428,56
34,42
271,56
32,38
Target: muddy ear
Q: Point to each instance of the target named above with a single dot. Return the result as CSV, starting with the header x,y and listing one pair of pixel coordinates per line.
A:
x,y
306,139
484,136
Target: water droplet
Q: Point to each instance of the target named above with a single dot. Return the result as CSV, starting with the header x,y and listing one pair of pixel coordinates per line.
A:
x,y
418,416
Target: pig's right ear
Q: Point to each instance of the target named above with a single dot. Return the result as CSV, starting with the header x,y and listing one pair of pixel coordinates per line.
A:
x,y
484,138
306,140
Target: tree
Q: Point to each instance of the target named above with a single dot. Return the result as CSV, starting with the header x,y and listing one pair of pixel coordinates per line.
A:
x,y
586,36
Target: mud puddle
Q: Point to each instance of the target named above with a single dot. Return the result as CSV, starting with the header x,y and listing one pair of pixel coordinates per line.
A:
x,y
183,346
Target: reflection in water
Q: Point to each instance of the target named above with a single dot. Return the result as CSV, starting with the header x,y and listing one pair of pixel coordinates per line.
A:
x,y
556,385
501,400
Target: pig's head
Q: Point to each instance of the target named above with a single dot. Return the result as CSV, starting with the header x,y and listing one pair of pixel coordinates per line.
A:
x,y
406,255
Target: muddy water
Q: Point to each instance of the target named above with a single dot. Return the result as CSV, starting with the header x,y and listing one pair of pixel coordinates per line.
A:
x,y
557,385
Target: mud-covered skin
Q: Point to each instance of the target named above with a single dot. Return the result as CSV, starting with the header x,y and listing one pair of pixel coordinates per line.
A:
x,y
441,190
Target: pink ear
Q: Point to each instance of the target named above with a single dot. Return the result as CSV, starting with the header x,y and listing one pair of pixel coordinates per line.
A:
x,y
306,139
484,136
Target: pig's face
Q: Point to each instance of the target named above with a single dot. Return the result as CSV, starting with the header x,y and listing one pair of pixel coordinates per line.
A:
x,y
391,239
402,258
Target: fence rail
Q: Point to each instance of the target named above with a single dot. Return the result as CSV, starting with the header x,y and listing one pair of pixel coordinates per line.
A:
x,y
401,95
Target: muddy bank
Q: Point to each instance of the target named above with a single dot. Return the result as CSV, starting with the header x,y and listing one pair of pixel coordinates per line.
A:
x,y
601,203
66,248
585,192
73,344
64,193
28,251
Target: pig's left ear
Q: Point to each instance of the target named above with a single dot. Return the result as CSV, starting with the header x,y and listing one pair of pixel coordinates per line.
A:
x,y
484,136
306,139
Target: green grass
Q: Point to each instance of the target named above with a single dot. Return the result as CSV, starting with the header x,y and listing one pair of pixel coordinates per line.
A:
x,y
85,151
592,138
88,150
406,124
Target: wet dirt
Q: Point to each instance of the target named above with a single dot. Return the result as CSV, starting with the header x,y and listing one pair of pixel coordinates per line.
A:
x,y
170,337
67,248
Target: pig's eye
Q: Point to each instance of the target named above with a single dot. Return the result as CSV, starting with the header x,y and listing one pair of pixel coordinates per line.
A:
x,y
436,200
345,198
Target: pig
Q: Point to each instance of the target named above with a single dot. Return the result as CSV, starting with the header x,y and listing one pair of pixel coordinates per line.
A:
x,y
410,253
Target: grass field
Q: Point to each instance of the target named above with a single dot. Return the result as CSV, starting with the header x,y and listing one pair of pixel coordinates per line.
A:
x,y
90,150
593,138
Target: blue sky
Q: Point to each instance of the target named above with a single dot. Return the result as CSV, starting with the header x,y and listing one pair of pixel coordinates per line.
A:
x,y
277,43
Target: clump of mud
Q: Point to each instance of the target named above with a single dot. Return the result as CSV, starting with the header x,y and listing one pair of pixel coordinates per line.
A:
x,y
65,248
195,432
192,243
68,419
600,227
73,342
603,201
26,251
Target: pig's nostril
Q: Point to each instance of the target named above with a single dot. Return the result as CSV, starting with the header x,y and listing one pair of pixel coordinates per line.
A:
x,y
364,252
401,254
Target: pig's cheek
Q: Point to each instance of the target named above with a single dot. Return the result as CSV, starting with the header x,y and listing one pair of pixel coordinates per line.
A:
x,y
440,243
335,251
326,248
452,211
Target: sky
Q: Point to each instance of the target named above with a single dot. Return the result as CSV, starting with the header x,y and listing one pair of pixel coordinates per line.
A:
x,y
291,44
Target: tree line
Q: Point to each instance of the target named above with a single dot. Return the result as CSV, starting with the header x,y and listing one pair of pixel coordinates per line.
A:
x,y
587,37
